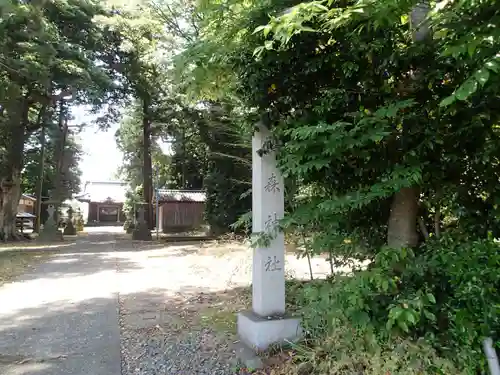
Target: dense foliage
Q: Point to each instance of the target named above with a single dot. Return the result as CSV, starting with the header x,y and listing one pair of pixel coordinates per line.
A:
x,y
211,151
33,155
47,63
384,116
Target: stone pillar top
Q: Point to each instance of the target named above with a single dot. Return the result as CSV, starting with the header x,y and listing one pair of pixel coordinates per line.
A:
x,y
51,211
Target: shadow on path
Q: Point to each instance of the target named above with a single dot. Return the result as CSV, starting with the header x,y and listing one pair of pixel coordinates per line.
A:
x,y
62,316
63,337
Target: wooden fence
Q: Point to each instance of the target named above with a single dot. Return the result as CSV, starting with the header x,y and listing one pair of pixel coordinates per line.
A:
x,y
181,216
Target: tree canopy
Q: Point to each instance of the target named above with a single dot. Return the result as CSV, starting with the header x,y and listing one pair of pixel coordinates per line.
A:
x,y
384,118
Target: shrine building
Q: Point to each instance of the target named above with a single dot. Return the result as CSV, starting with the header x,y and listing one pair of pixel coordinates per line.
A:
x,y
105,202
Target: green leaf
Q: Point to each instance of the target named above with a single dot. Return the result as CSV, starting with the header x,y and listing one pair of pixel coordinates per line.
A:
x,y
385,285
430,316
308,29
320,7
403,326
493,66
259,28
455,51
395,312
257,51
471,47
431,298
389,324
482,76
447,101
411,318
468,88
267,30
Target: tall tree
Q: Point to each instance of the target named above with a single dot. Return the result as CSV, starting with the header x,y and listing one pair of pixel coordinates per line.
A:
x,y
338,85
129,140
144,47
43,59
30,173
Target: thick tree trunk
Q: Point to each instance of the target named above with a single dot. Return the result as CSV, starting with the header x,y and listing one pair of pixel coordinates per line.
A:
x,y
11,193
147,166
402,228
10,182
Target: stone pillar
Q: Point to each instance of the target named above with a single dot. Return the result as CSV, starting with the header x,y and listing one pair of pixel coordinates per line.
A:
x,y
268,207
70,228
267,323
160,218
51,230
141,229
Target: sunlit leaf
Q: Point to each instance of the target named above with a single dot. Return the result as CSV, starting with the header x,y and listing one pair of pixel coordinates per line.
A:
x,y
468,88
482,76
447,101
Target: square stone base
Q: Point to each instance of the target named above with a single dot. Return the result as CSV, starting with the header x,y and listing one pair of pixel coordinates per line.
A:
x,y
259,333
50,234
141,233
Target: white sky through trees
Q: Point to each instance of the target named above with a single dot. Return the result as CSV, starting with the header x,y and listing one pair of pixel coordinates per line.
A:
x,y
101,158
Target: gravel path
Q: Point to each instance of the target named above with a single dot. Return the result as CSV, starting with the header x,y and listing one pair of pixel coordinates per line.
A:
x,y
178,305
196,352
161,303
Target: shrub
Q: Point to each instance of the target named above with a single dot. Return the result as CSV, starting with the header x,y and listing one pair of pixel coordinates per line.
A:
x,y
430,308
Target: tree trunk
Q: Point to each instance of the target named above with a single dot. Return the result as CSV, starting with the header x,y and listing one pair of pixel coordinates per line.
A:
x,y
402,228
147,167
41,168
10,181
11,193
60,154
39,184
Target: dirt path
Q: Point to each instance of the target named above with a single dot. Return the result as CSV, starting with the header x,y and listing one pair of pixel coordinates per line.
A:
x,y
179,304
106,305
61,317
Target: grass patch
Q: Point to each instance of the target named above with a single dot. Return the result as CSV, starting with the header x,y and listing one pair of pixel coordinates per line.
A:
x,y
14,263
220,249
220,321
220,313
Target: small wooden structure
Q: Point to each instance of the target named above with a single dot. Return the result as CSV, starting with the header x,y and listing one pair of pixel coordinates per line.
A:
x,y
105,200
26,212
181,210
26,204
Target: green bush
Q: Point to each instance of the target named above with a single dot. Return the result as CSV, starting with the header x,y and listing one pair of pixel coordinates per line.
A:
x,y
128,226
444,297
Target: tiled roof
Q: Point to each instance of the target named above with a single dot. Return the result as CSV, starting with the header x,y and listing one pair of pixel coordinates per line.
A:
x,y
96,191
166,195
25,215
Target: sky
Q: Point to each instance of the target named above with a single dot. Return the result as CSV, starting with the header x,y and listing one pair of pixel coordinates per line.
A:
x,y
101,158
